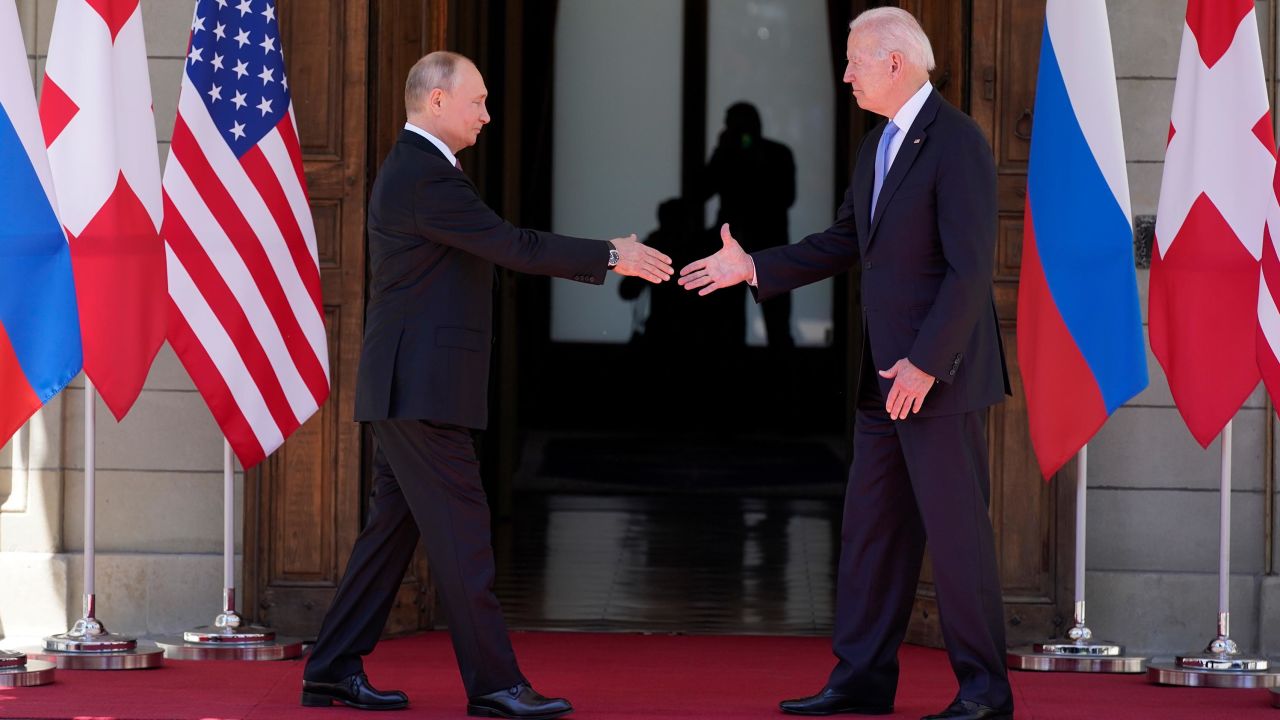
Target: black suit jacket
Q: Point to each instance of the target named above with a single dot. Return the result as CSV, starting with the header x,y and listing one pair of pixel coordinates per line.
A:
x,y
927,255
433,244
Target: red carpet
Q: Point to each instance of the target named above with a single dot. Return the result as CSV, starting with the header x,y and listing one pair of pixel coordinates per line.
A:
x,y
608,677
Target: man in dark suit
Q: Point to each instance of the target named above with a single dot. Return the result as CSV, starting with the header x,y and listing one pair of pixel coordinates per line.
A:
x,y
920,217
422,384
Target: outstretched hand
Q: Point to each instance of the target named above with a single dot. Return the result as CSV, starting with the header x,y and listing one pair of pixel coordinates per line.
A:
x,y
910,385
729,266
639,260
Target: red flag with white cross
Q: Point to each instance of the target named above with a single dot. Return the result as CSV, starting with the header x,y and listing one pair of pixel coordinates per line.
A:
x,y
99,127
1214,200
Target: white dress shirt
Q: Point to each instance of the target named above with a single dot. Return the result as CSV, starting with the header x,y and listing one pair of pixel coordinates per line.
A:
x,y
904,119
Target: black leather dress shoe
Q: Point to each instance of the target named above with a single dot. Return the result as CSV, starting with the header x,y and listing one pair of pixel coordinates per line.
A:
x,y
354,691
970,710
518,701
830,702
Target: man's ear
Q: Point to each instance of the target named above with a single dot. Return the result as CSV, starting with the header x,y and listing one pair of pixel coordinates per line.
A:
x,y
895,63
435,101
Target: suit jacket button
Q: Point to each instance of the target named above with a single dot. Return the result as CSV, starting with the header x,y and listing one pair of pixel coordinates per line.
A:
x,y
866,265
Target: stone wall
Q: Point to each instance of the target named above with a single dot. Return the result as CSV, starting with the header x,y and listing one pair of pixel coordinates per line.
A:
x,y
159,473
1153,532
1153,492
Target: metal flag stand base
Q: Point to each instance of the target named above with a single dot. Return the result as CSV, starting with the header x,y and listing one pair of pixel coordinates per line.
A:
x,y
1078,652
229,638
1220,665
88,645
17,671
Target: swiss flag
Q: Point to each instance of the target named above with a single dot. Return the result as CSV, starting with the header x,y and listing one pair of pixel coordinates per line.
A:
x,y
1214,201
99,126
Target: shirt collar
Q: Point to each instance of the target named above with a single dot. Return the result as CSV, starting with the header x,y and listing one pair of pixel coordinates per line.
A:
x,y
448,154
911,108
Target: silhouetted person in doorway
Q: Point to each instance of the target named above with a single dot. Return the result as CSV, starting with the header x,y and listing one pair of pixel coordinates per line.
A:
x,y
686,340
756,181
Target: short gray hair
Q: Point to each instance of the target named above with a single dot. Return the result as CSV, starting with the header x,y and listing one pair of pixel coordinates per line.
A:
x,y
434,70
896,30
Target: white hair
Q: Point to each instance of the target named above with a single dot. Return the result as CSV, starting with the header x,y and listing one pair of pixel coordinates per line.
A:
x,y
896,30
434,70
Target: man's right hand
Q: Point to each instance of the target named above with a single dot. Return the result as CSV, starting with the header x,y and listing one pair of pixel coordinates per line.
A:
x,y
639,260
730,266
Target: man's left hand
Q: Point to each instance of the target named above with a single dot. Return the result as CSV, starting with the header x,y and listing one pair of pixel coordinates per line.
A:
x,y
910,385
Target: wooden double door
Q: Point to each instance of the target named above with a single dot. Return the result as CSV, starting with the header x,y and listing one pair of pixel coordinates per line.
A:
x,y
347,60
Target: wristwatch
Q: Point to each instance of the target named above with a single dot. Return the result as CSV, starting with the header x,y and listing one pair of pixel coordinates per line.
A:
x,y
614,257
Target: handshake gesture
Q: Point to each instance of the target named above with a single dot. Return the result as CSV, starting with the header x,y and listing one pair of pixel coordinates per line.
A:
x,y
730,266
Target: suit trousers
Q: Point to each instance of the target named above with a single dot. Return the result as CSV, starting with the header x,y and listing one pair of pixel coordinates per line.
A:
x,y
426,482
923,477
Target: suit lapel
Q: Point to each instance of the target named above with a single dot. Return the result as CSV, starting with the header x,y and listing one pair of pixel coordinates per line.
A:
x,y
863,179
902,162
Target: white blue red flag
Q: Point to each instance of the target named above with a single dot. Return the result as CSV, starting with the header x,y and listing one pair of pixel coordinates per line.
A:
x,y
99,126
244,280
1079,324
39,327
1214,200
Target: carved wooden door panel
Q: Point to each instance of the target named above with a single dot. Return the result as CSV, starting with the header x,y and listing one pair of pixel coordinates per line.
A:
x,y
994,81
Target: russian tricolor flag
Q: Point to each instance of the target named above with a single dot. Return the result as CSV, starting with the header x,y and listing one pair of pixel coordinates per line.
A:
x,y
39,325
1080,343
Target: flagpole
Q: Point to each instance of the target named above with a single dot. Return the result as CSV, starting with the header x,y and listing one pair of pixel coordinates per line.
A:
x,y
88,645
1222,653
1078,652
1220,664
230,637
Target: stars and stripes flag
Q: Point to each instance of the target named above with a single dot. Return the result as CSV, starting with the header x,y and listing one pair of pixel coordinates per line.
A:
x,y
1268,338
1214,200
244,281
39,326
1079,322
99,126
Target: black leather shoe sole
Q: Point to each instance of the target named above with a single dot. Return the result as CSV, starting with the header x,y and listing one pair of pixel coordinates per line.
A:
x,y
480,711
313,699
841,711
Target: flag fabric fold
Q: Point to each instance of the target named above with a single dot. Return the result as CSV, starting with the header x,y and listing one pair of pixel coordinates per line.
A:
x,y
1214,198
98,122
1080,345
245,315
39,328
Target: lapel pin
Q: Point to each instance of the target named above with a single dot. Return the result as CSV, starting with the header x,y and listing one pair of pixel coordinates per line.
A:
x,y
916,141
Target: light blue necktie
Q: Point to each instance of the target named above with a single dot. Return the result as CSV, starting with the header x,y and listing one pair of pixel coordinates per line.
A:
x,y
882,162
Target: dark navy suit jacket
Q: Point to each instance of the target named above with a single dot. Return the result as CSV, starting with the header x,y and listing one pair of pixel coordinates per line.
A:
x,y
433,245
927,257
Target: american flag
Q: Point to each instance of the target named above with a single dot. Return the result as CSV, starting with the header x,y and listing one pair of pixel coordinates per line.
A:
x,y
244,281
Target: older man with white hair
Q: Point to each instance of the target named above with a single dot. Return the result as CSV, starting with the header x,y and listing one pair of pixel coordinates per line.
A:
x,y
920,219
